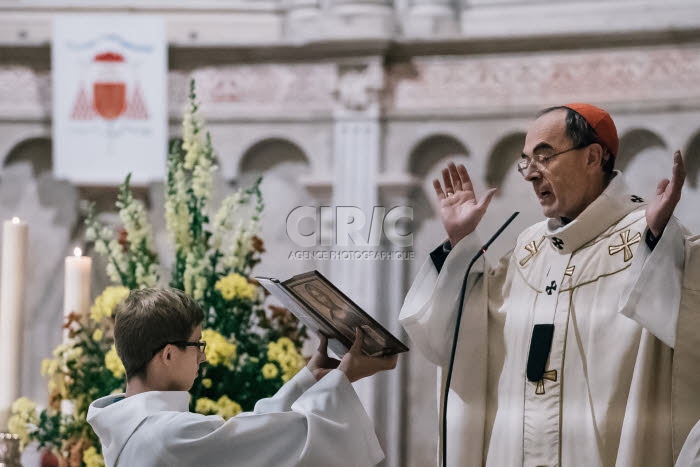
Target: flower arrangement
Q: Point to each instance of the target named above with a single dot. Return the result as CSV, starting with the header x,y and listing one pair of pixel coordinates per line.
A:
x,y
251,350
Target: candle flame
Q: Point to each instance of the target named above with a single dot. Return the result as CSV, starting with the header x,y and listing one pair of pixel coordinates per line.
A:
x,y
15,220
78,252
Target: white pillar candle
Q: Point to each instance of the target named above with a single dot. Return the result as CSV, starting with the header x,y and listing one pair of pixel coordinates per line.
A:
x,y
76,289
14,256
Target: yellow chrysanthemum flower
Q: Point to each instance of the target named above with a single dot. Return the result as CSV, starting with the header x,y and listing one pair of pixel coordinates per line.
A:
x,y
270,371
206,382
286,344
274,351
91,458
219,350
23,406
19,427
227,408
59,350
23,415
224,407
97,335
114,364
236,286
205,406
105,303
49,367
285,353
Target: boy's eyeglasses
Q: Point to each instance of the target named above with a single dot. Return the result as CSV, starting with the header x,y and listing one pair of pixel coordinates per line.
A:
x,y
201,345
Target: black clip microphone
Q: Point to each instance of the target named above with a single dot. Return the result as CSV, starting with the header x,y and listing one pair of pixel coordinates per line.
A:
x,y
456,335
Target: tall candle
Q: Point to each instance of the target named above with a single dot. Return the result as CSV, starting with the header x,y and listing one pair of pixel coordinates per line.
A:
x,y
76,285
14,257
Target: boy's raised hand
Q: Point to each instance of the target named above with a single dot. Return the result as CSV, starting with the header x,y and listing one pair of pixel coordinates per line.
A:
x,y
320,363
356,365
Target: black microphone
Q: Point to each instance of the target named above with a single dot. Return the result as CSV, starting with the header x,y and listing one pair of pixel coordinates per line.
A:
x,y
456,336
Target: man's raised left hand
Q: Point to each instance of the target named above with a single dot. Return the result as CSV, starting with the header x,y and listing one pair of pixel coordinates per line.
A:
x,y
668,193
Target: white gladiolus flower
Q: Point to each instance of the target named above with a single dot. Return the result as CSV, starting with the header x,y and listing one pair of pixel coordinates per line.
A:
x,y
136,224
90,234
202,179
106,233
101,247
177,215
194,270
112,273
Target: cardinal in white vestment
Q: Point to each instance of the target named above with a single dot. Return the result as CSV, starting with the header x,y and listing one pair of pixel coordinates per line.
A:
x,y
690,453
314,420
614,280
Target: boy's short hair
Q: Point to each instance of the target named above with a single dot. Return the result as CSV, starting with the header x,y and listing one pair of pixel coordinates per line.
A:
x,y
147,320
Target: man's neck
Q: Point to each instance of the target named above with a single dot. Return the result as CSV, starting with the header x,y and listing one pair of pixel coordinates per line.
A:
x,y
137,385
605,182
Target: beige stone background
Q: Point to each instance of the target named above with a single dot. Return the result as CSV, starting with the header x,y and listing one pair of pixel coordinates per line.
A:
x,y
348,102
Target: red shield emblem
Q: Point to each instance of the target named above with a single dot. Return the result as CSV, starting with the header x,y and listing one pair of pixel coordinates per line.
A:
x,y
109,89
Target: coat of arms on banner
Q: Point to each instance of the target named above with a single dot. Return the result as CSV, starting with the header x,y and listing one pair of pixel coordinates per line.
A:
x,y
109,89
106,96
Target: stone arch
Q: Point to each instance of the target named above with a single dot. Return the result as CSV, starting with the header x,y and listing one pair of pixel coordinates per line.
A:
x,y
644,159
269,152
12,136
692,161
635,141
426,156
282,164
430,150
502,159
36,151
425,162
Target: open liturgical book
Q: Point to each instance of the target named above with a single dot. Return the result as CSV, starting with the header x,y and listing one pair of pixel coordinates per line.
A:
x,y
324,309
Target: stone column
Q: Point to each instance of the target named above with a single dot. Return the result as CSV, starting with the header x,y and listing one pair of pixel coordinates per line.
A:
x,y
431,18
395,191
356,164
321,189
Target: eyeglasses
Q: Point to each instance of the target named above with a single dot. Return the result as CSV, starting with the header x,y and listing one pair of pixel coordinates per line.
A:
x,y
201,345
541,160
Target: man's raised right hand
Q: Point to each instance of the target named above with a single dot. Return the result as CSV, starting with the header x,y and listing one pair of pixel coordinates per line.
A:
x,y
460,211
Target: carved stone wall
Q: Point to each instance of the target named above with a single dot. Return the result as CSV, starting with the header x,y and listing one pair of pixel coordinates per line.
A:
x,y
513,82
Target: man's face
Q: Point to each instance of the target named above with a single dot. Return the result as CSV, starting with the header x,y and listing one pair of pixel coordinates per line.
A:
x,y
563,186
186,363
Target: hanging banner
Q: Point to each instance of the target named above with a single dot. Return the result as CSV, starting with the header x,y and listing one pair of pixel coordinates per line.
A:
x,y
109,76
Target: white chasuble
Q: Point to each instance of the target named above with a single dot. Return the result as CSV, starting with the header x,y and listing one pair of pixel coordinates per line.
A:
x,y
605,396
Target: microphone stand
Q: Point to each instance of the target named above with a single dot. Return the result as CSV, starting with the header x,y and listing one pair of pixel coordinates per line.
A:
x,y
456,334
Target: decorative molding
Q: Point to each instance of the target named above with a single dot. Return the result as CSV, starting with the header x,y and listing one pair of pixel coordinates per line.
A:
x,y
269,85
445,86
399,186
476,82
261,23
358,86
25,93
268,89
526,18
319,187
430,19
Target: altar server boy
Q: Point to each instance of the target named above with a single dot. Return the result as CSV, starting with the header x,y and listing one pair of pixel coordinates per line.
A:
x,y
316,419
